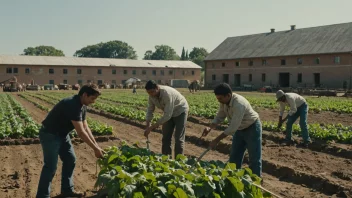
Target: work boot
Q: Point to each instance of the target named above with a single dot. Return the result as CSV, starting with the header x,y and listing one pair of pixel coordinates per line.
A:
x,y
71,194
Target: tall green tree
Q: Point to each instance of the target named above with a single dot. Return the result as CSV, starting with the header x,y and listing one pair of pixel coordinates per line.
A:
x,y
110,49
197,55
183,54
148,55
163,52
186,57
42,50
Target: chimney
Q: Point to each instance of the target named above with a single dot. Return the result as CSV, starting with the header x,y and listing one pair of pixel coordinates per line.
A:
x,y
272,30
293,27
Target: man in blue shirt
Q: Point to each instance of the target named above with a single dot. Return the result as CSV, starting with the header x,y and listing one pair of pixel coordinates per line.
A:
x,y
68,114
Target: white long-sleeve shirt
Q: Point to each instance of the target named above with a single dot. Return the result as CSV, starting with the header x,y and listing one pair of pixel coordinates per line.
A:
x,y
172,102
239,112
294,101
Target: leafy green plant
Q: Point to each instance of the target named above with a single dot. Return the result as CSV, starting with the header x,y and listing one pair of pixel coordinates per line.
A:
x,y
136,172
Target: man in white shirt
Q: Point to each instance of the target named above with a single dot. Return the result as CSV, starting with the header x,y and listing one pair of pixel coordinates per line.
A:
x,y
298,108
175,108
244,126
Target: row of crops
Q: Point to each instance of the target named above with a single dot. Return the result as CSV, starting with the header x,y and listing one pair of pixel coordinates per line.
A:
x,y
134,108
15,122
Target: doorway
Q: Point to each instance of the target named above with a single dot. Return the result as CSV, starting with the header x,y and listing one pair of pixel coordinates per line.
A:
x,y
284,79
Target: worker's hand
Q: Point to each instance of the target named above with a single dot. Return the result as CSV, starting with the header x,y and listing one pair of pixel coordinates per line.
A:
x,y
147,131
206,131
214,143
99,152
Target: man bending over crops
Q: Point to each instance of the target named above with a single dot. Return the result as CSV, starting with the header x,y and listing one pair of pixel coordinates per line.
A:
x,y
298,108
244,126
68,114
175,109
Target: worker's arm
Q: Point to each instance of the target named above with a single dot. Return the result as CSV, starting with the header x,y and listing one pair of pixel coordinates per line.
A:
x,y
90,134
282,109
83,134
235,123
150,111
168,111
219,118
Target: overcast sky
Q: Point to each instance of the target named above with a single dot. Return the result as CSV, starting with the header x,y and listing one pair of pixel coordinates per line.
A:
x,y
72,24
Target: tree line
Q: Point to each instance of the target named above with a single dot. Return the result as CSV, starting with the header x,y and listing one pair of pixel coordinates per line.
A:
x,y
122,50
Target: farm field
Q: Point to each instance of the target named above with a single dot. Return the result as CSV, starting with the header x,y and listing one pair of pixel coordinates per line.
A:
x,y
322,170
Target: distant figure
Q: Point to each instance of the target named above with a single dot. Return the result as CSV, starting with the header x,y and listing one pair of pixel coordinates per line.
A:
x,y
134,91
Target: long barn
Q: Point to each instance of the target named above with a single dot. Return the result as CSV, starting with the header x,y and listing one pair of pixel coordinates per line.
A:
x,y
307,57
72,70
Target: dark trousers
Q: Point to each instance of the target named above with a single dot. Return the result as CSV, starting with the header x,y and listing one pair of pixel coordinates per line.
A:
x,y
251,139
177,124
54,146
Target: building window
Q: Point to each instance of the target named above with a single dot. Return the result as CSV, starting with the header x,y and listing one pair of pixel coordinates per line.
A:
x,y
51,82
263,62
9,70
65,81
162,72
183,72
100,82
223,64
299,61
88,81
64,71
213,65
237,63
99,71
51,71
263,77
213,77
283,62
192,73
159,81
299,77
317,61
15,70
250,77
171,72
250,63
144,72
154,72
80,82
337,59
79,71
113,71
134,72
27,71
113,82
125,72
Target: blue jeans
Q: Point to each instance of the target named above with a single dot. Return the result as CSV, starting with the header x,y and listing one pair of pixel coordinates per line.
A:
x,y
302,112
251,139
54,146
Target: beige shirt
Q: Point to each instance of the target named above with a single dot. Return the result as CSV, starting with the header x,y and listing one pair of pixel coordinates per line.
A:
x,y
172,102
294,101
239,113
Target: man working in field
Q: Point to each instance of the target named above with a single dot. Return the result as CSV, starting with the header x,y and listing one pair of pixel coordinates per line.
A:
x,y
298,108
175,109
68,114
244,126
